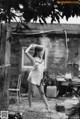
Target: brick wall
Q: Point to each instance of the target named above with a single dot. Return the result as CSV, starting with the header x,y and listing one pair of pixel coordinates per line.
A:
x,y
61,61
56,51
14,60
57,54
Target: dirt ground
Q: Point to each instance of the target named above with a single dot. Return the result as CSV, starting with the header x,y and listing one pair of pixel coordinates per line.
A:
x,y
39,111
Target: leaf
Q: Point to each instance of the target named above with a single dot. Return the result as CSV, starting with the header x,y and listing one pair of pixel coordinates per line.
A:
x,y
53,19
35,9
40,22
43,20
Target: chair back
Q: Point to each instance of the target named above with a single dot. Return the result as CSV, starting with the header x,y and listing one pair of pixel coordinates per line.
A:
x,y
19,81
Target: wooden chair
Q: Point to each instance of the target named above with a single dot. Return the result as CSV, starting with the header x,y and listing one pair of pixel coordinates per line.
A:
x,y
17,89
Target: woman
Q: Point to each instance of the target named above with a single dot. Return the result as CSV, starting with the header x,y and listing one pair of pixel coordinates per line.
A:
x,y
36,74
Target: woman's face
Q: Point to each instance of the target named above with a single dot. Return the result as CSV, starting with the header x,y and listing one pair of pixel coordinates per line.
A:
x,y
40,54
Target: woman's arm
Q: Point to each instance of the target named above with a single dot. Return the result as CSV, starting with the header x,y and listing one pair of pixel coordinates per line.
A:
x,y
28,54
40,46
46,58
44,50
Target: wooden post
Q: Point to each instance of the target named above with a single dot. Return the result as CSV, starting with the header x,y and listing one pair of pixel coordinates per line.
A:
x,y
4,84
5,71
7,45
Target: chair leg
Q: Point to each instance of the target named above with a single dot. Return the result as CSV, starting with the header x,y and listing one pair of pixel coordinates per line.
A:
x,y
17,98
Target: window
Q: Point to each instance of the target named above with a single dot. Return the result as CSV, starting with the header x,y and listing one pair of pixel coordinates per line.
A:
x,y
26,63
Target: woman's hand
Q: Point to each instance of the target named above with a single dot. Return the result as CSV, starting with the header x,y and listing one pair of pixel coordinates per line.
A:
x,y
33,45
40,46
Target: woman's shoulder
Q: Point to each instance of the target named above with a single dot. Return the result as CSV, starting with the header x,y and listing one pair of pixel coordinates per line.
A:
x,y
37,59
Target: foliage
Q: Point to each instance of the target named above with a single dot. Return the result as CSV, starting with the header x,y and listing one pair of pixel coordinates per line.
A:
x,y
69,10
37,9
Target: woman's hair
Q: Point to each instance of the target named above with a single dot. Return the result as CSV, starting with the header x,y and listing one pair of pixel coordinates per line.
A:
x,y
37,50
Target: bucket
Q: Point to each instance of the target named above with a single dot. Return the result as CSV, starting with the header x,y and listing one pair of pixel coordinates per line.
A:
x,y
51,91
70,105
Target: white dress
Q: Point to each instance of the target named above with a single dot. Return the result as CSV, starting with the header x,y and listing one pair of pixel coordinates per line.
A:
x,y
36,75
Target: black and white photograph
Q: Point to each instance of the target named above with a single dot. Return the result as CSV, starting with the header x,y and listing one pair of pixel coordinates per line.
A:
x,y
39,59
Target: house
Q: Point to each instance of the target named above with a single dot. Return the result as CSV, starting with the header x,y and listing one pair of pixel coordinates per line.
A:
x,y
63,48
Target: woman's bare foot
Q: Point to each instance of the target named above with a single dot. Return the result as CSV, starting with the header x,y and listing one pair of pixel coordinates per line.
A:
x,y
30,109
48,109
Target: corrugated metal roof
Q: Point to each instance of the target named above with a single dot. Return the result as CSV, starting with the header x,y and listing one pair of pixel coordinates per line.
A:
x,y
37,28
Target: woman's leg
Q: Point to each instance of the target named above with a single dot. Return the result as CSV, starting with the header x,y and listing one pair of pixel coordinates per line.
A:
x,y
30,94
41,90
